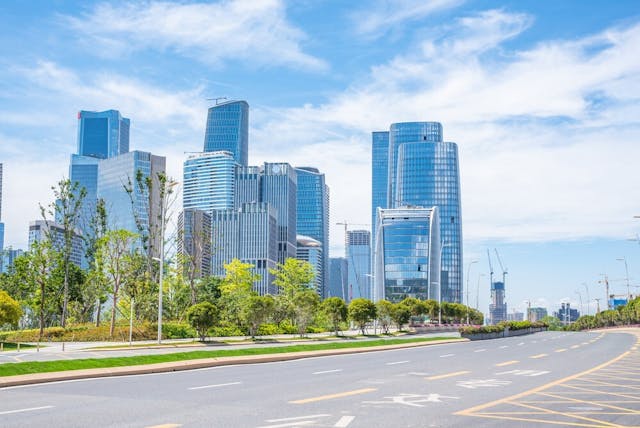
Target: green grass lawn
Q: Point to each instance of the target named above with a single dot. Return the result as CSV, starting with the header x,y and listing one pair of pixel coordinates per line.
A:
x,y
12,369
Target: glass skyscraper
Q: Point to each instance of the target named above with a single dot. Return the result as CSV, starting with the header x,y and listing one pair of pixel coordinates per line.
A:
x,y
1,223
228,129
313,215
379,174
423,171
278,189
359,264
194,241
407,254
102,134
311,250
209,180
338,278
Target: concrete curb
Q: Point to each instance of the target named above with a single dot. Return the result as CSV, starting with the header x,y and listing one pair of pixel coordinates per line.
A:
x,y
37,378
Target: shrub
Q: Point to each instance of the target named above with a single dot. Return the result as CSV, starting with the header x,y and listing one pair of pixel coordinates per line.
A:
x,y
177,330
267,329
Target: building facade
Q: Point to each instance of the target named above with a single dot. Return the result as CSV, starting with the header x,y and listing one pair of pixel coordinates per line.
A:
x,y
209,181
423,171
279,190
102,134
310,250
358,251
379,175
41,230
312,216
1,223
407,254
228,130
247,185
536,314
338,278
498,306
194,242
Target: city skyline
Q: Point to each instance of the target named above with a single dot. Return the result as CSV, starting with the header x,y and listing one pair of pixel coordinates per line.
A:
x,y
546,159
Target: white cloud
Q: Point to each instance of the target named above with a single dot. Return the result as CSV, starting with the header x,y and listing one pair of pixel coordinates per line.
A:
x,y
547,136
382,15
256,32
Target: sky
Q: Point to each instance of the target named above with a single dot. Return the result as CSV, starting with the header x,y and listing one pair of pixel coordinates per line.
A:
x,y
542,98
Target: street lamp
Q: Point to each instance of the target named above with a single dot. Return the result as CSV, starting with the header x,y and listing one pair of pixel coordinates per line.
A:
x,y
440,284
580,296
468,272
626,269
167,186
480,275
586,287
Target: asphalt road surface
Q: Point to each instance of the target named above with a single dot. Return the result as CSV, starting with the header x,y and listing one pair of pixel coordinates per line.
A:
x,y
545,379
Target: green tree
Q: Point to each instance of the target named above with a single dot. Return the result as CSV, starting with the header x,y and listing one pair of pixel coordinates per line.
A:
x,y
362,311
336,310
553,322
291,277
257,311
202,316
236,289
384,311
400,314
306,303
10,311
67,208
115,250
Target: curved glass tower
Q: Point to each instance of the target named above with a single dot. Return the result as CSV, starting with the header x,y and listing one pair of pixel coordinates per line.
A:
x,y
228,130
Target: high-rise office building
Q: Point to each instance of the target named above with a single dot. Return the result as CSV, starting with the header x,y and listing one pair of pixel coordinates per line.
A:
x,y
423,172
312,217
358,250
194,242
407,254
497,307
9,256
209,181
278,189
247,185
1,223
338,278
136,211
248,233
41,230
536,314
228,129
310,250
379,174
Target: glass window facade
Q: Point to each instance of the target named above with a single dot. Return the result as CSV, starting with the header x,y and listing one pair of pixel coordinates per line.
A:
x,y
209,181
228,129
194,241
379,174
279,188
102,134
311,250
338,278
359,264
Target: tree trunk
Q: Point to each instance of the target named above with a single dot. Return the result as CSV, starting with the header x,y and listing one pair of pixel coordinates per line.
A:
x,y
98,314
41,333
113,313
65,299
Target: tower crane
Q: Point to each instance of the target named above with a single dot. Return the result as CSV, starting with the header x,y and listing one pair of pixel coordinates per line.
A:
x,y
490,269
504,271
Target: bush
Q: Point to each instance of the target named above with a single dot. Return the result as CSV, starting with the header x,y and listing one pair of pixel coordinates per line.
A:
x,y
267,329
177,330
226,330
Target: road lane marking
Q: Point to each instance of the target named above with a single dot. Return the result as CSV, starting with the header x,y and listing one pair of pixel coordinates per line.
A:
x,y
443,376
332,396
479,350
297,418
30,409
538,356
447,355
289,424
166,426
327,371
521,343
398,362
344,421
560,350
213,386
575,346
507,363
503,347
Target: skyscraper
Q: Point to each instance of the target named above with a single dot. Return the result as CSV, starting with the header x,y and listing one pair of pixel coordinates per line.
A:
x,y
359,264
228,129
497,307
423,172
247,184
338,278
407,254
379,174
137,211
1,223
194,242
310,250
40,230
312,217
209,180
278,189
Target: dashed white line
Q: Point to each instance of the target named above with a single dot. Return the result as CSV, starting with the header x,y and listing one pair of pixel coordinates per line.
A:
x,y
344,421
502,347
327,371
297,418
398,362
447,355
30,409
521,343
479,350
213,386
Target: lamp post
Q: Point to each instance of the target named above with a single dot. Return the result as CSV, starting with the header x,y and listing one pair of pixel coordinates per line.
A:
x,y
580,296
626,269
586,287
440,284
480,275
167,186
468,272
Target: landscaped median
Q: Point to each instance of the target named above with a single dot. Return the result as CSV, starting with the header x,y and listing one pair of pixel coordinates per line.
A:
x,y
502,329
12,374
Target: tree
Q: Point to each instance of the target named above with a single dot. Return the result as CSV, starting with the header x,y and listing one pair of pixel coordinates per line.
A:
x,y
257,311
236,288
115,254
336,311
10,311
40,261
67,208
291,277
384,311
400,315
202,317
305,305
362,311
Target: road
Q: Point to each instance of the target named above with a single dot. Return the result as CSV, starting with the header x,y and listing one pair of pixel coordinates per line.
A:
x,y
568,379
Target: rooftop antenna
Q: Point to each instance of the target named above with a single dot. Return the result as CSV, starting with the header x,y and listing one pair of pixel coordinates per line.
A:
x,y
217,99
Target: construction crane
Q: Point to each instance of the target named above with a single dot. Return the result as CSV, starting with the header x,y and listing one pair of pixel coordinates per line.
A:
x,y
504,271
490,269
346,226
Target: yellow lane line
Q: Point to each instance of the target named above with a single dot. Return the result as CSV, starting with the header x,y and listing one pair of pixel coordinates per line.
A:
x,y
332,396
561,350
442,376
598,403
567,415
617,385
587,391
507,363
539,356
543,421
467,412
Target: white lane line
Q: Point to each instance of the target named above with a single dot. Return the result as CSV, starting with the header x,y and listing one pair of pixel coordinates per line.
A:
x,y
289,424
30,409
521,343
502,347
479,350
447,355
213,386
327,371
398,362
344,421
297,418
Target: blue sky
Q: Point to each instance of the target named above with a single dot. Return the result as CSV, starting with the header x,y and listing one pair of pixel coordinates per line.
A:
x,y
541,97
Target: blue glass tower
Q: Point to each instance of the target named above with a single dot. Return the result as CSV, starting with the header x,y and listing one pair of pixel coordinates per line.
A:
x,y
359,264
228,130
1,223
379,173
209,181
102,134
338,278
312,217
278,189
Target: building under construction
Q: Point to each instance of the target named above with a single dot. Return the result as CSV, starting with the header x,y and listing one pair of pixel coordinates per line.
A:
x,y
498,306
